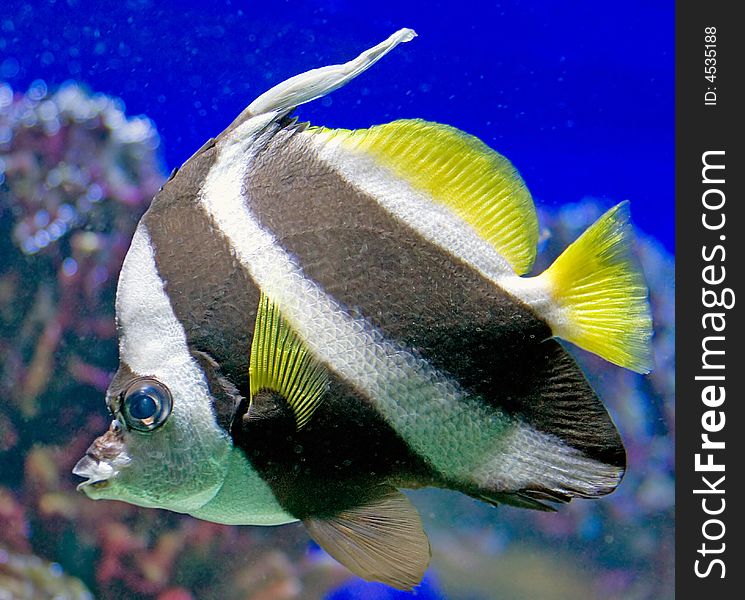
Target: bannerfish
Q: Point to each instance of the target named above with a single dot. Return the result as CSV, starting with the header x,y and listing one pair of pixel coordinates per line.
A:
x,y
311,319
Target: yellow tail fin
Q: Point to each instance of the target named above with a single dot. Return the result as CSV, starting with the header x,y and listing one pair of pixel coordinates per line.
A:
x,y
601,294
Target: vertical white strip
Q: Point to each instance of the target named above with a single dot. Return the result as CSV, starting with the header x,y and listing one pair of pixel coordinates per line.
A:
x,y
152,341
181,465
189,461
434,222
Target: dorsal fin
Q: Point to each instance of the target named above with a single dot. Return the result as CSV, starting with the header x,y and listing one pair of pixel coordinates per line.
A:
x,y
281,363
458,171
382,540
316,83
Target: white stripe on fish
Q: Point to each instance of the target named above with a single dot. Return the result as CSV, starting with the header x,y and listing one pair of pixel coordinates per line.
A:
x,y
193,446
410,394
434,222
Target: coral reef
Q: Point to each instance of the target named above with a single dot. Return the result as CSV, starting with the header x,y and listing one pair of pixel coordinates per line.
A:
x,y
75,176
30,578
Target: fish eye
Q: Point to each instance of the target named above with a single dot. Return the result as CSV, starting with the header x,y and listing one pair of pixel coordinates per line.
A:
x,y
146,405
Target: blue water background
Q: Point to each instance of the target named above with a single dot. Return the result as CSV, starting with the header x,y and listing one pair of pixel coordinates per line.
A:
x,y
578,95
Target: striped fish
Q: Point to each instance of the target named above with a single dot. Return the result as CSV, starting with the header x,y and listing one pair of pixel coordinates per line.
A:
x,y
311,319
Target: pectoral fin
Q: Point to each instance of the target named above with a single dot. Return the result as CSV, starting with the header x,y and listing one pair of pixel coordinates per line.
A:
x,y
382,540
282,364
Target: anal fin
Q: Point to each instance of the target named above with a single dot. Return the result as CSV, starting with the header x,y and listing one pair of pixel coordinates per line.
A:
x,y
531,499
382,540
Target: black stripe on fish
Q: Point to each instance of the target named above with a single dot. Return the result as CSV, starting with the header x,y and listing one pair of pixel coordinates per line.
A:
x,y
211,294
335,462
415,292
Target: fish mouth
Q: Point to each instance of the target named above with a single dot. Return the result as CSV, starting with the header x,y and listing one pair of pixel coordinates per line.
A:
x,y
97,473
103,460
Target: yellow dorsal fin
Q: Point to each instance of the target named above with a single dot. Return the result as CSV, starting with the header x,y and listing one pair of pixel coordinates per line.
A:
x,y
460,172
281,362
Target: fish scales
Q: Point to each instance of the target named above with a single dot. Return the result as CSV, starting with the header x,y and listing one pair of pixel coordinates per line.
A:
x,y
380,268
386,372
209,289
455,431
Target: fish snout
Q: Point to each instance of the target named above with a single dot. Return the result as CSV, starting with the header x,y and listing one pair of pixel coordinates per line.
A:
x,y
105,457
